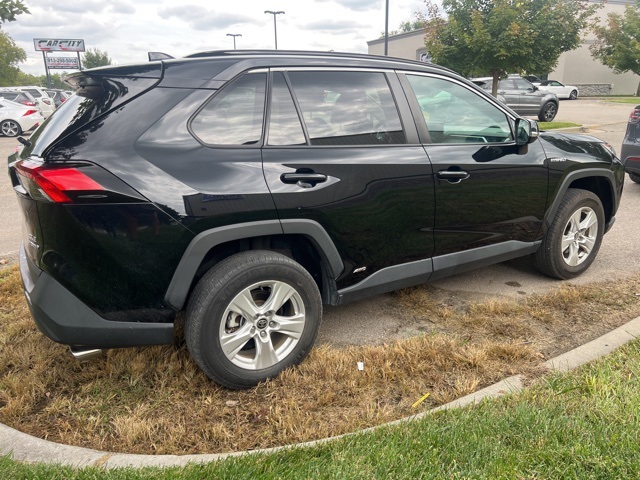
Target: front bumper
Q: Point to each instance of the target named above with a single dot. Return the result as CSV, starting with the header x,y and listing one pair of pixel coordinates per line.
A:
x,y
64,318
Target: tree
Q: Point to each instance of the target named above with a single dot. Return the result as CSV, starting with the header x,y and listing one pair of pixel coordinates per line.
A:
x,y
10,56
407,26
501,36
9,9
95,58
618,42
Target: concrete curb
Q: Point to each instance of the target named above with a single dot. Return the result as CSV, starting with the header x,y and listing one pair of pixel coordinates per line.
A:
x,y
23,447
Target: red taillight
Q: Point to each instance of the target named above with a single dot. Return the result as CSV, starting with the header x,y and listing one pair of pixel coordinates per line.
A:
x,y
635,115
55,182
29,112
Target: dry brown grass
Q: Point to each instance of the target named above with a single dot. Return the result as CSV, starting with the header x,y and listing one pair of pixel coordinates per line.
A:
x,y
155,400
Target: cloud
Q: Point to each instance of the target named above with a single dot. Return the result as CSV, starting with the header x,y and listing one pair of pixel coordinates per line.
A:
x,y
93,6
357,5
117,6
334,26
201,18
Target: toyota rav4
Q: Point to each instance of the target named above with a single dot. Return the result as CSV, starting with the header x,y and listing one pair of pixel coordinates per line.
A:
x,y
249,188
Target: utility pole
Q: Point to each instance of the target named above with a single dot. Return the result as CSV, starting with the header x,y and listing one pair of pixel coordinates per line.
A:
x,y
275,28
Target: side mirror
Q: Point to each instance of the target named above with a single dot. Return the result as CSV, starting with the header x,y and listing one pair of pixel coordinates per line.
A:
x,y
535,89
527,131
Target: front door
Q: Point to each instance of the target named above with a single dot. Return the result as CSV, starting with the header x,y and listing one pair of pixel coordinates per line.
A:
x,y
488,190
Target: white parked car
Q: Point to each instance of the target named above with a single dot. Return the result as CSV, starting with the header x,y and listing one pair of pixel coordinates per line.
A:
x,y
16,118
561,90
43,100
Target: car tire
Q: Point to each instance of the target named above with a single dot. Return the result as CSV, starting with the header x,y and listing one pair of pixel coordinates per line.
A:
x,y
10,128
573,95
548,112
634,177
574,236
230,318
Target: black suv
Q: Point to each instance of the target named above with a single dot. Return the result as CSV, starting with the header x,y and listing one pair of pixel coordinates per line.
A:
x,y
247,188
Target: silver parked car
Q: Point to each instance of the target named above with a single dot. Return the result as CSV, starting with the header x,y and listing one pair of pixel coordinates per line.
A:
x,y
523,97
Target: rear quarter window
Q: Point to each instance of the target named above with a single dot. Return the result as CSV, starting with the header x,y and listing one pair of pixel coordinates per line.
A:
x,y
106,95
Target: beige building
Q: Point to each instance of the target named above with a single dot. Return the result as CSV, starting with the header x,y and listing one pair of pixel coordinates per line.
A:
x,y
576,67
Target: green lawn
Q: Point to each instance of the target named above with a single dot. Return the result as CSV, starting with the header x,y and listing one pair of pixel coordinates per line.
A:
x,y
633,100
581,425
554,125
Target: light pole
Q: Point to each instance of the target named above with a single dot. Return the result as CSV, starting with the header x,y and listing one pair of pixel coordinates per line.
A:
x,y
234,35
386,29
275,28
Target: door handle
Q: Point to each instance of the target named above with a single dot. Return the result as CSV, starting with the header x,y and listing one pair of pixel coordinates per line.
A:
x,y
453,176
305,180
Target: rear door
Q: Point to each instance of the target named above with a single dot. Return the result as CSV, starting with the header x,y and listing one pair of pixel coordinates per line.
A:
x,y
351,165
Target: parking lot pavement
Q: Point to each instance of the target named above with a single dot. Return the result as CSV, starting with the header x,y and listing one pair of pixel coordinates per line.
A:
x,y
9,213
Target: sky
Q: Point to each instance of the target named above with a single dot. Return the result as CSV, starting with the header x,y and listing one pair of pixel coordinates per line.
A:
x,y
128,29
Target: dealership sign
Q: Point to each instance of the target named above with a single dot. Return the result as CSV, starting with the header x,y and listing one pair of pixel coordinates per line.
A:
x,y
58,45
70,63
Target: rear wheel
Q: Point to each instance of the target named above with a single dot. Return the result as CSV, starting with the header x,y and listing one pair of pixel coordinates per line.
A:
x,y
548,112
10,128
251,316
574,236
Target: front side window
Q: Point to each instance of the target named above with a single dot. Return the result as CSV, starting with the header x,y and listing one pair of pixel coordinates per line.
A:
x,y
234,116
347,108
455,114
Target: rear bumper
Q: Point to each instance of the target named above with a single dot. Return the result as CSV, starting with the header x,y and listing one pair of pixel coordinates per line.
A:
x,y
632,165
64,318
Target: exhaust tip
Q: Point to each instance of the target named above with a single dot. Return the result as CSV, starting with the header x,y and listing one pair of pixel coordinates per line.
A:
x,y
85,354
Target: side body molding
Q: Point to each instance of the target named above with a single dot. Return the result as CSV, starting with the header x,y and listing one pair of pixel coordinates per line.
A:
x,y
178,290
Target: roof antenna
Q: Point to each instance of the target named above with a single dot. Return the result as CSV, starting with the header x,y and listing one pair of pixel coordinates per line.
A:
x,y
158,56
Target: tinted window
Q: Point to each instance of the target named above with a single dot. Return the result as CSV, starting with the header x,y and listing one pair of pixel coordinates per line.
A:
x,y
347,108
507,85
284,124
455,114
34,92
234,115
522,84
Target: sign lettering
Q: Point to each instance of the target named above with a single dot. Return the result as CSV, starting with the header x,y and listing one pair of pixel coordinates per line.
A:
x,y
58,45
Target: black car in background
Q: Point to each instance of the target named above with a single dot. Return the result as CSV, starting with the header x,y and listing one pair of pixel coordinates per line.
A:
x,y
630,152
249,188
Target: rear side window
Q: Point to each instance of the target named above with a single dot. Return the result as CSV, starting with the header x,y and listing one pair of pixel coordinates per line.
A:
x,y
284,124
347,108
234,115
35,93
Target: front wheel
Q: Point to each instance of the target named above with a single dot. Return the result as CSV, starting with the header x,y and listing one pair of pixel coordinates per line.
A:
x,y
10,128
574,236
548,112
251,316
573,95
